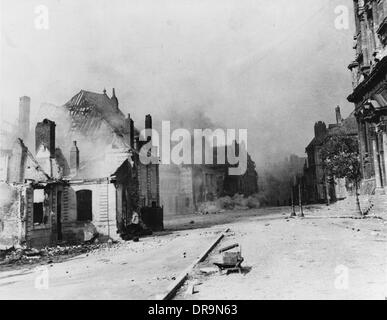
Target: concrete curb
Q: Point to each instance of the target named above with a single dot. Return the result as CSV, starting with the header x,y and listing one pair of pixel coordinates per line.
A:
x,y
344,217
178,283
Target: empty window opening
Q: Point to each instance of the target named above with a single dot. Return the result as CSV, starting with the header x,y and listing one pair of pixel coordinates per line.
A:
x,y
84,205
40,199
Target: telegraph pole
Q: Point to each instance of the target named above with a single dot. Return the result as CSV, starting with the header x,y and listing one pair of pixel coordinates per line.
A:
x,y
300,200
293,213
326,186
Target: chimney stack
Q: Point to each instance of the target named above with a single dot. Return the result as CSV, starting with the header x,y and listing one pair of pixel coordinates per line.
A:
x,y
148,124
320,130
74,159
338,115
131,130
45,135
114,99
24,117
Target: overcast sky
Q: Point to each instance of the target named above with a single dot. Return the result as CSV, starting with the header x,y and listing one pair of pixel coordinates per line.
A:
x,y
273,67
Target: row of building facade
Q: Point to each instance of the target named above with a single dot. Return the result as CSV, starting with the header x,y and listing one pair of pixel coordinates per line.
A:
x,y
78,173
369,80
184,187
367,122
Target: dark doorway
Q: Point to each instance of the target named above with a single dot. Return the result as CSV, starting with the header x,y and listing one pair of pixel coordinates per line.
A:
x,y
126,206
59,215
84,209
38,213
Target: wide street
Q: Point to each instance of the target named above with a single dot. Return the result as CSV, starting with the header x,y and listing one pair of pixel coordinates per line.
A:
x,y
318,256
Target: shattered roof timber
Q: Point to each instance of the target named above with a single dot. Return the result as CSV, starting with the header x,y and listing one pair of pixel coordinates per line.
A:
x,y
32,158
89,109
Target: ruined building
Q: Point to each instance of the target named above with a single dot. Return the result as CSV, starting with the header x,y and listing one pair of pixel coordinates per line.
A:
x,y
185,187
90,184
369,79
107,138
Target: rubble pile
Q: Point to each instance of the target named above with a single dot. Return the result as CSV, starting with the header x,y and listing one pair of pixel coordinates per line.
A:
x,y
237,202
253,201
226,203
22,255
240,202
209,207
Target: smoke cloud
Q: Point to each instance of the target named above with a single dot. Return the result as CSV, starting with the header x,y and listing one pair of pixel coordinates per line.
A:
x,y
273,68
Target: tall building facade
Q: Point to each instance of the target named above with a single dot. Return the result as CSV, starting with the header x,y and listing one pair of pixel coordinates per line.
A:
x,y
369,80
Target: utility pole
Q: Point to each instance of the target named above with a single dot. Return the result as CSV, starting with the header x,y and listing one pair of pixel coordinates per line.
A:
x,y
327,189
293,213
300,200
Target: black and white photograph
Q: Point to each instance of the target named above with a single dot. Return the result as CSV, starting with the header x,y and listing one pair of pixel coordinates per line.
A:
x,y
196,150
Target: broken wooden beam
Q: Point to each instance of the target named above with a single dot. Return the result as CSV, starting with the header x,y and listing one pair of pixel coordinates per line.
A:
x,y
231,246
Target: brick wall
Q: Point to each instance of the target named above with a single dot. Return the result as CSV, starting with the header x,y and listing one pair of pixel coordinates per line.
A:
x,y
45,135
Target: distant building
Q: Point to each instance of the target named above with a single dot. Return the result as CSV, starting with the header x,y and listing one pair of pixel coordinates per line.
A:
x,y
176,189
185,187
315,185
277,180
313,170
369,79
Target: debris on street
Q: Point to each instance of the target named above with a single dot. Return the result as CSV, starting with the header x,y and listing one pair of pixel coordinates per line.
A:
x,y
229,247
237,202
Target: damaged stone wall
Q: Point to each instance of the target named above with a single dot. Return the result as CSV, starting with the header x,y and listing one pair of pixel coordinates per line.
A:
x,y
39,235
103,219
127,195
148,184
10,223
176,193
